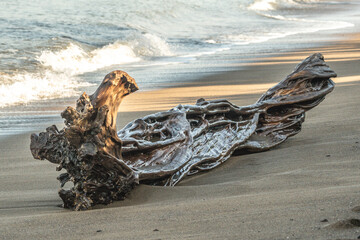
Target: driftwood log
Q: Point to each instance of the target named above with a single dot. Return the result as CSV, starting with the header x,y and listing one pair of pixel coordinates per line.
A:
x,y
163,148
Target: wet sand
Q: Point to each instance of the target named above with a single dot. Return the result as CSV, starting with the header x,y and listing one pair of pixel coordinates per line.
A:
x,y
306,188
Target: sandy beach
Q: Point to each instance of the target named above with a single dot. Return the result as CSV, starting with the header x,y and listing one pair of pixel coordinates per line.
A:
x,y
306,188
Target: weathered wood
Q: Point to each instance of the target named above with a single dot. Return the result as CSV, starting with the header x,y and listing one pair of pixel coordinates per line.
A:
x,y
89,148
165,147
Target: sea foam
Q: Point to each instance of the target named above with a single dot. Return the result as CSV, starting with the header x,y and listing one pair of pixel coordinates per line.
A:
x,y
57,73
269,5
24,87
75,60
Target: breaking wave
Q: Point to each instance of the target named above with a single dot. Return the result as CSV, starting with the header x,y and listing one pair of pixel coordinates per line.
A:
x,y
25,87
74,60
56,75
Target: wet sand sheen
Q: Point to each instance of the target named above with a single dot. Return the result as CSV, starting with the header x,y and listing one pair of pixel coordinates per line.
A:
x,y
283,193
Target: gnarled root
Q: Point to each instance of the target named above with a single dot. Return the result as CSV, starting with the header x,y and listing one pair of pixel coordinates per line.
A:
x,y
89,148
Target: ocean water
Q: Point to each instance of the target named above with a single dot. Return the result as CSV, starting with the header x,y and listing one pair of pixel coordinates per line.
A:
x,y
51,51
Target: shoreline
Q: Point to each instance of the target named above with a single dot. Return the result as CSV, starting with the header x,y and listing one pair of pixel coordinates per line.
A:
x,y
284,193
237,83
23,119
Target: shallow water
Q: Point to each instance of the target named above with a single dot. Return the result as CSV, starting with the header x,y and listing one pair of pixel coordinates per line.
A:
x,y
52,50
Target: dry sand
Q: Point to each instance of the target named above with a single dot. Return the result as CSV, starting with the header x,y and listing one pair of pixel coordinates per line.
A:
x,y
307,188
